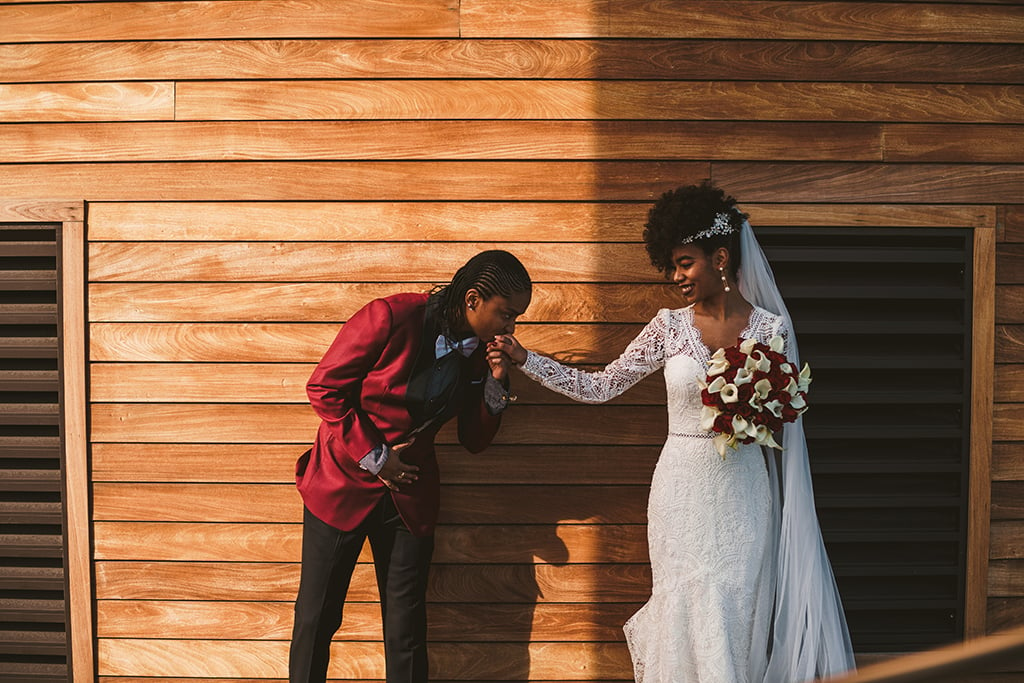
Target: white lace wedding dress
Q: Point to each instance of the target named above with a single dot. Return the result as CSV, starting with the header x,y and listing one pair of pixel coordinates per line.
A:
x,y
709,518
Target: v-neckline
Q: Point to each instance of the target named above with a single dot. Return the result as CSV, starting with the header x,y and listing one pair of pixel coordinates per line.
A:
x,y
699,335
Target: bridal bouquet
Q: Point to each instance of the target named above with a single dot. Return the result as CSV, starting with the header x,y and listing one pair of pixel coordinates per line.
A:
x,y
750,391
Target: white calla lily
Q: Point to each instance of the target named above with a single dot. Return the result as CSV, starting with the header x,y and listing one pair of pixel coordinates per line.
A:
x,y
743,376
774,407
708,415
761,361
741,428
805,377
765,437
718,363
798,402
717,384
717,366
763,387
776,343
729,393
747,345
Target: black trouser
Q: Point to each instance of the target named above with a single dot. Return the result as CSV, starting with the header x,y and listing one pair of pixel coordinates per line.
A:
x,y
402,563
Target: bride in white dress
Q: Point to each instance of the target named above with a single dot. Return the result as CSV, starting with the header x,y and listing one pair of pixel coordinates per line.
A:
x,y
742,591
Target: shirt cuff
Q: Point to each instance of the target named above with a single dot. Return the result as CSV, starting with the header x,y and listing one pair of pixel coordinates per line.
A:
x,y
496,396
373,461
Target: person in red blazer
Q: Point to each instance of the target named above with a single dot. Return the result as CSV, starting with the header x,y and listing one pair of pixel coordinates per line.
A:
x,y
399,369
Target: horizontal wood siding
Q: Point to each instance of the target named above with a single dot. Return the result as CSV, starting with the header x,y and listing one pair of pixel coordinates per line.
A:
x,y
257,170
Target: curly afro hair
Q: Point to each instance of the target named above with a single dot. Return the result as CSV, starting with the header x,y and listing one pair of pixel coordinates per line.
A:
x,y
678,214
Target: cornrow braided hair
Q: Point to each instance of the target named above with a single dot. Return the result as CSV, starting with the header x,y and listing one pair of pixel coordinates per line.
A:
x,y
494,272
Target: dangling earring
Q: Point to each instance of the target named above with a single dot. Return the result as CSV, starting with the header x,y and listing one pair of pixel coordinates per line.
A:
x,y
725,283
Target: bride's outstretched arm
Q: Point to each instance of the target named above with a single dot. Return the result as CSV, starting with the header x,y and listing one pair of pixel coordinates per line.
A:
x,y
644,355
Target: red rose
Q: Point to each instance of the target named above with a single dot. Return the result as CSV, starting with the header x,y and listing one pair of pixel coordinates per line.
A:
x,y
723,424
735,357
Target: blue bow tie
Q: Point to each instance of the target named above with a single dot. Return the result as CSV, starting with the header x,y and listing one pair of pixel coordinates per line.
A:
x,y
443,346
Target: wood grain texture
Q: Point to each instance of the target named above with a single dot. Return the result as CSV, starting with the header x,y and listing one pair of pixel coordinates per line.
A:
x,y
316,302
463,504
365,221
1008,422
209,342
514,584
102,21
659,59
718,19
1010,264
1007,388
958,143
868,183
1013,219
1007,544
289,423
490,180
1009,342
275,464
18,211
334,262
293,140
589,99
1007,500
1005,576
1007,460
501,544
353,180
74,435
1009,310
304,342
1005,612
276,383
69,102
461,661
452,221
480,622
983,314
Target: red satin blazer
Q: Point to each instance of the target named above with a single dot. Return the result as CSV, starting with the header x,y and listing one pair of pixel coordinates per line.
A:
x,y
359,391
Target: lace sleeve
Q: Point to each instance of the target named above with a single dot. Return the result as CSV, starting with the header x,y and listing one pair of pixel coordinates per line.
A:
x,y
644,355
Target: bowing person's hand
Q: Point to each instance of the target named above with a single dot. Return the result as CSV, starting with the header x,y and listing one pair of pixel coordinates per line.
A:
x,y
508,345
395,472
499,362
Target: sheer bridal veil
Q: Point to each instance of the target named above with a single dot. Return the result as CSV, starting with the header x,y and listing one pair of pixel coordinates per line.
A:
x,y
809,633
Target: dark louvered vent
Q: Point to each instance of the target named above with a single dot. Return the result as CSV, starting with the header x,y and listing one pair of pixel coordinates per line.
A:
x,y
884,317
32,581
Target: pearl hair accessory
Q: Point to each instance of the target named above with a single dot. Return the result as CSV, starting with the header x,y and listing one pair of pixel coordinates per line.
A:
x,y
721,226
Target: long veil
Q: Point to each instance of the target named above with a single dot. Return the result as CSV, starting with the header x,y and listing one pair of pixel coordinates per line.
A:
x,y
809,633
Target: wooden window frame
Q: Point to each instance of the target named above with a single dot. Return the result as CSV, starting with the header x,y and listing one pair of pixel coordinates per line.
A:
x,y
982,396
71,308
983,223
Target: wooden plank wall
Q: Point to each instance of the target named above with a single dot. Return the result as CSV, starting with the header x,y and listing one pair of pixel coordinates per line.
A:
x,y
257,170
